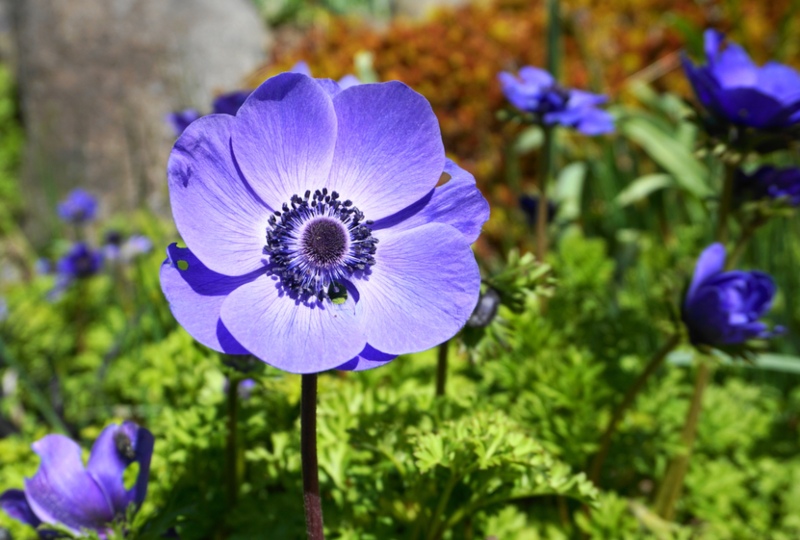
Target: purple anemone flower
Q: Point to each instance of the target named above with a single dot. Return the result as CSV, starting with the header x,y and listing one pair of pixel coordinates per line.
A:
x,y
723,308
64,492
78,207
768,182
732,88
535,91
80,262
316,236
180,120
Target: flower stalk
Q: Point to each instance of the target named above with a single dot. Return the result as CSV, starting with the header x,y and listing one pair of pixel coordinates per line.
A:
x,y
308,452
441,369
231,446
671,488
545,172
630,396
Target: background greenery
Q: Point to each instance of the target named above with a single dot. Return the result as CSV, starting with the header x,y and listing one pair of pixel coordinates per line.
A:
x,y
503,454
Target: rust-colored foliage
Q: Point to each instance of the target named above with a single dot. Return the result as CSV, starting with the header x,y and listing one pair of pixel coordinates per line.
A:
x,y
453,58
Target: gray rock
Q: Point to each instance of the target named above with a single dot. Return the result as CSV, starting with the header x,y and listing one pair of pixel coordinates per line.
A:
x,y
97,78
420,8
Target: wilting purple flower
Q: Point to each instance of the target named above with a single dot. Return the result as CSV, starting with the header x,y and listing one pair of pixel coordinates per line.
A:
x,y
485,311
734,89
723,308
530,206
64,492
282,208
535,91
78,207
769,182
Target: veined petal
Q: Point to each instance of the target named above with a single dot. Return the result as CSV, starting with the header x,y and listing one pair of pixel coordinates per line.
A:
x,y
195,295
62,491
216,212
369,358
284,136
422,289
291,335
389,151
113,451
457,203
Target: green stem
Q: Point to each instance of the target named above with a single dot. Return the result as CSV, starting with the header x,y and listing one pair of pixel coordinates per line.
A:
x,y
671,487
441,369
725,203
231,450
438,527
545,172
553,38
41,402
308,454
744,240
627,401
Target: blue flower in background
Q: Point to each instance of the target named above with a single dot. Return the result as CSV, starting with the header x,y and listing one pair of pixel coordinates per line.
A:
x,y
768,182
536,92
734,89
529,204
231,102
180,120
64,492
723,308
78,207
316,235
80,262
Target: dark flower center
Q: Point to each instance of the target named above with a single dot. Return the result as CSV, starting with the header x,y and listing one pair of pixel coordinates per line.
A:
x,y
324,241
316,241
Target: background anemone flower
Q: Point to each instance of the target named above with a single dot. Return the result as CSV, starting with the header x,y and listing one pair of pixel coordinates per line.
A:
x,y
734,89
80,262
535,91
78,207
769,182
529,204
63,492
230,102
724,308
316,235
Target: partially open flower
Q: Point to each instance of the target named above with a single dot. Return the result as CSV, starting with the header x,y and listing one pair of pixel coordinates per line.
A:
x,y
63,492
723,308
734,90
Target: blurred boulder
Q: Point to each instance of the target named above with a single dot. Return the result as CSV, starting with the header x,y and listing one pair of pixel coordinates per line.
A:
x,y
420,8
97,77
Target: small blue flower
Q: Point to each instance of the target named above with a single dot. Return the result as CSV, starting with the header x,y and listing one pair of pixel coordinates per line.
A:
x,y
63,492
180,120
723,308
529,204
80,262
231,102
769,182
536,92
78,207
735,90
